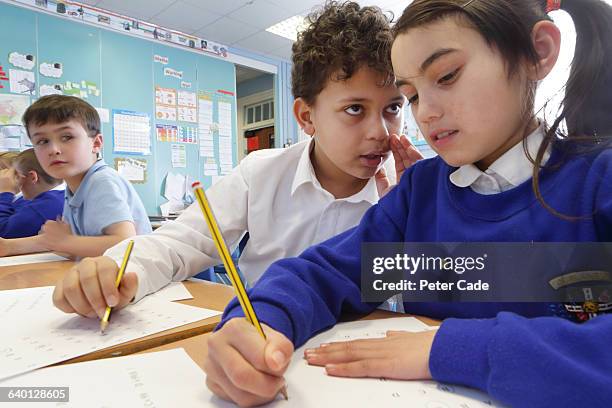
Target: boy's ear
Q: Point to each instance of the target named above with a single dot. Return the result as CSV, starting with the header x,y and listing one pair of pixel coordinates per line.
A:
x,y
302,112
98,141
546,39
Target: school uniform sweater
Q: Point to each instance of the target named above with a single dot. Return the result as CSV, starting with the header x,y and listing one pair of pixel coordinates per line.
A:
x,y
520,353
24,218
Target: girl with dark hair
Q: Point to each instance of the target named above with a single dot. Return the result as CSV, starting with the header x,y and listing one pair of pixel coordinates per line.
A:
x,y
469,69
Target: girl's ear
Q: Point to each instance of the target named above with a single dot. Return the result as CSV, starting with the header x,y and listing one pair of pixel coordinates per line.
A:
x,y
303,114
546,40
33,176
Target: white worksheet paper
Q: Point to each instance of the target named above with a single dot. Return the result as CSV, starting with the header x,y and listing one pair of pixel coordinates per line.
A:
x,y
29,259
36,334
162,379
309,386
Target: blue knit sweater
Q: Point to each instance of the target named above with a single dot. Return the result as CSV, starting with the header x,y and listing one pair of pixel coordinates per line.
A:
x,y
24,218
521,354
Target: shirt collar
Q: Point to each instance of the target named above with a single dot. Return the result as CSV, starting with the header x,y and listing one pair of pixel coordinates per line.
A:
x,y
304,173
76,199
513,166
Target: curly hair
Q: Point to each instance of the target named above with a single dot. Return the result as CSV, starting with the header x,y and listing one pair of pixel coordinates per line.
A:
x,y
339,39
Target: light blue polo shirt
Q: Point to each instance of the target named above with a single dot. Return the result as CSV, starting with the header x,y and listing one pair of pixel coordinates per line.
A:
x,y
102,199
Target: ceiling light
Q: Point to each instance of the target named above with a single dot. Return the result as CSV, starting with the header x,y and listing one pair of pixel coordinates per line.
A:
x,y
288,28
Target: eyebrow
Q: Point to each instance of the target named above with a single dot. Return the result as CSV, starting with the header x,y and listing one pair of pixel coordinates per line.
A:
x,y
355,100
57,130
428,62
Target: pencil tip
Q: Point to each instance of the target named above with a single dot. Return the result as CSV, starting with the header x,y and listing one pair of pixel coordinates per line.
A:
x,y
103,325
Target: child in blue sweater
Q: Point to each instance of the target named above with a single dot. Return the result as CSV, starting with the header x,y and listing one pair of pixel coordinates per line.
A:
x,y
42,200
469,69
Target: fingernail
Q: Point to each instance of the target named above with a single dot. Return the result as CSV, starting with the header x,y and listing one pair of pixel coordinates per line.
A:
x,y
112,300
279,358
331,367
92,314
323,344
312,356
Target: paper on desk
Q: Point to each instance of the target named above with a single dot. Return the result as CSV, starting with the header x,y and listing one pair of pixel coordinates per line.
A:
x,y
32,258
309,386
171,292
37,334
162,379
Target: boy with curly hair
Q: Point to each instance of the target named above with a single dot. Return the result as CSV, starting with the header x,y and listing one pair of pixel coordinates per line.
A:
x,y
286,199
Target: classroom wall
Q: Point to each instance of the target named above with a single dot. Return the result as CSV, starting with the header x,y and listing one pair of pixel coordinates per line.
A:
x,y
118,72
255,85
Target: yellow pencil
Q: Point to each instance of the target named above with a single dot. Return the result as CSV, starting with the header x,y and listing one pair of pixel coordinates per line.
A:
x,y
126,258
226,257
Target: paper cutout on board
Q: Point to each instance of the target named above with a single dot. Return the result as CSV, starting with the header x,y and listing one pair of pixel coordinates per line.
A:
x,y
173,73
22,82
53,70
160,59
24,61
56,89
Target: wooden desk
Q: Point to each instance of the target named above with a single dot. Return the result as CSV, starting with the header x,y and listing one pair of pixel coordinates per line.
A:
x,y
33,275
206,295
197,346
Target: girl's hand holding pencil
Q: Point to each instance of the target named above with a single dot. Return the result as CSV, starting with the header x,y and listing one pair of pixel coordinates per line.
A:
x,y
244,367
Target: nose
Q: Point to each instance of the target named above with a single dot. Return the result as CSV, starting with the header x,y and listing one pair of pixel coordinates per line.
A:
x,y
53,148
428,109
378,129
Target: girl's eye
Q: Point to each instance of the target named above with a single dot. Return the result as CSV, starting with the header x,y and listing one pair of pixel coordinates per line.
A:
x,y
66,137
354,110
394,109
449,77
41,142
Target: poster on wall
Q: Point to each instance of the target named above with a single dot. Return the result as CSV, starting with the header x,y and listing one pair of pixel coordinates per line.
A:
x,y
179,155
12,108
133,170
131,132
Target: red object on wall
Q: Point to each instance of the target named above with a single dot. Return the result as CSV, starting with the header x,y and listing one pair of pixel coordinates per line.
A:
x,y
252,143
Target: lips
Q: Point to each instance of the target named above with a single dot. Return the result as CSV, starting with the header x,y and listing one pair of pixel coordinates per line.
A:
x,y
373,159
442,134
57,162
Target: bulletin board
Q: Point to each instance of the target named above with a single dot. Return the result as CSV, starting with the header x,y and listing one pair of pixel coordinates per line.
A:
x,y
163,109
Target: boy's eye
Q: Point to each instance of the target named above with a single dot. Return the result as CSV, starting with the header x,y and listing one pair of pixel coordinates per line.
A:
x,y
354,110
394,109
41,142
413,99
66,137
449,77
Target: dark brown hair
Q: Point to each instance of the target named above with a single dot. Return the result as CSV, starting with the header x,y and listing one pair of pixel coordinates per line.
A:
x,y
340,39
26,161
506,26
61,108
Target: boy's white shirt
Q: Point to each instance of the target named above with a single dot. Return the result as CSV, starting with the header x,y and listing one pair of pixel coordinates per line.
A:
x,y
275,195
510,170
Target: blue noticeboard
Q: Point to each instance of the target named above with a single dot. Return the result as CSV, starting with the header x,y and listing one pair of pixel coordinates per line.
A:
x,y
115,72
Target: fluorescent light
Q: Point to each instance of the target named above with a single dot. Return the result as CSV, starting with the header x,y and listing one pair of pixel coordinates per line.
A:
x,y
288,28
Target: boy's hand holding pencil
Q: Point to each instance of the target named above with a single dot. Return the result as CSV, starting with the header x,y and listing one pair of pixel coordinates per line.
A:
x,y
89,287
